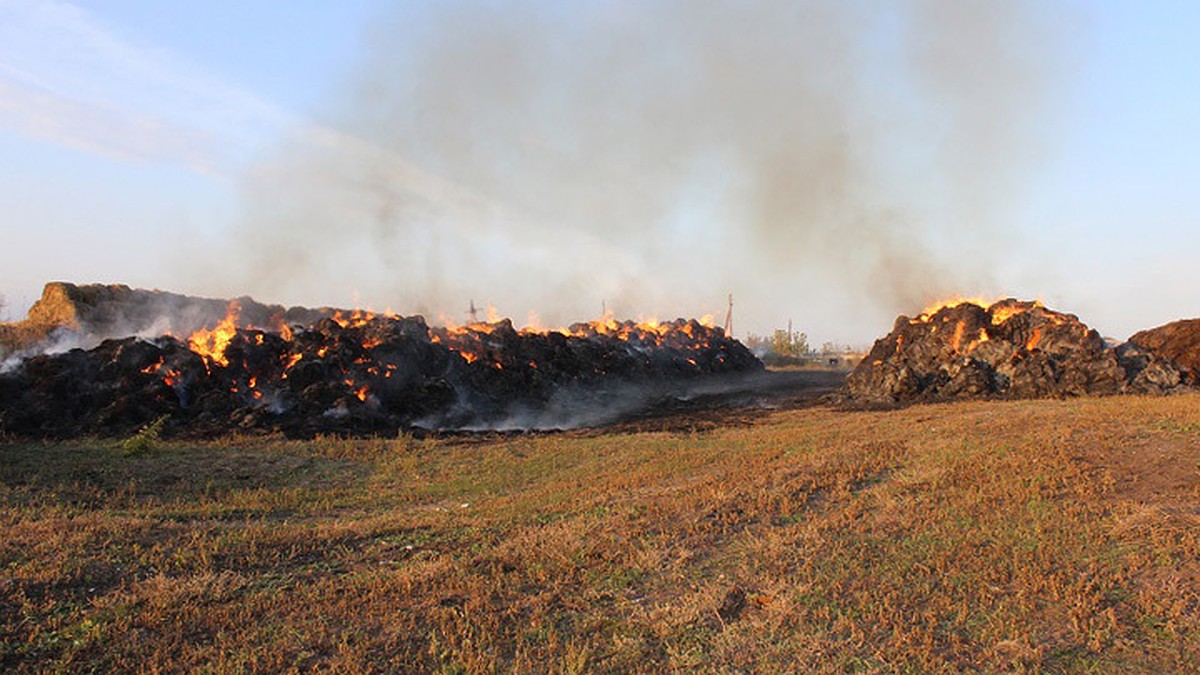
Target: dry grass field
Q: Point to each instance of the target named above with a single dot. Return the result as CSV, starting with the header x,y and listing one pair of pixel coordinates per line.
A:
x,y
1052,536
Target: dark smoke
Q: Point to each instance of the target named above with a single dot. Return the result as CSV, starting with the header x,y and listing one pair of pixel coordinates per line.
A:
x,y
806,156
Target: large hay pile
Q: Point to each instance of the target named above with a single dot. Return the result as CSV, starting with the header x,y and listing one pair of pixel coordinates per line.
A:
x,y
1011,349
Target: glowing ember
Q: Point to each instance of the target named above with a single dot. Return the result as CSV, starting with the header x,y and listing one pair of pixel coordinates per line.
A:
x,y
1034,339
1002,313
958,333
477,343
358,317
306,371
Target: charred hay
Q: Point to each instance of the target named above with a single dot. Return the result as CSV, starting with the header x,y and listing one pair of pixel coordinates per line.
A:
x,y
377,375
1012,349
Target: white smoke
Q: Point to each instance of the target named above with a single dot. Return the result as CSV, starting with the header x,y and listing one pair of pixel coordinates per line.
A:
x,y
821,158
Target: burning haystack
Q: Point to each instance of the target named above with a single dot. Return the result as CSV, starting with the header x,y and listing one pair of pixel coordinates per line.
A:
x,y
1012,349
346,372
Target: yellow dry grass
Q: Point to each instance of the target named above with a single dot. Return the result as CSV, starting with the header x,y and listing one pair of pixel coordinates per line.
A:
x,y
1054,536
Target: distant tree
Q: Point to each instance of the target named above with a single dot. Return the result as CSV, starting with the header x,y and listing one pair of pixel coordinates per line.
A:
x,y
843,348
781,348
794,345
834,348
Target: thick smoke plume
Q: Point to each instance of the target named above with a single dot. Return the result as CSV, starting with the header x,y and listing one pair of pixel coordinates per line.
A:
x,y
807,156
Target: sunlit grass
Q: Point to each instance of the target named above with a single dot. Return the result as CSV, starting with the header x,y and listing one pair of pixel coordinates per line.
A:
x,y
1034,535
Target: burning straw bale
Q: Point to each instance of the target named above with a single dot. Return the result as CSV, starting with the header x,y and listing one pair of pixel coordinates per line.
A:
x,y
352,373
1012,349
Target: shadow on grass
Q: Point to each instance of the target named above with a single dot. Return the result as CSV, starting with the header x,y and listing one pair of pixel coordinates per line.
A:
x,y
99,473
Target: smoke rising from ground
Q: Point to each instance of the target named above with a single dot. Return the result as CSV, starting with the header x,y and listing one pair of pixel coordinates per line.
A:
x,y
810,157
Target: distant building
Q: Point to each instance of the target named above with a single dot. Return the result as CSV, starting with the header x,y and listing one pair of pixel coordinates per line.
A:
x,y
847,360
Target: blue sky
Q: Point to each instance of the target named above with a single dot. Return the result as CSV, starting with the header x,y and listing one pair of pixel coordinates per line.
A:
x,y
286,52
134,135
128,124
1117,204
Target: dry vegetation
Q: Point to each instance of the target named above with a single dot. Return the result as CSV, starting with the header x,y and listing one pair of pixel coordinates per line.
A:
x,y
1036,536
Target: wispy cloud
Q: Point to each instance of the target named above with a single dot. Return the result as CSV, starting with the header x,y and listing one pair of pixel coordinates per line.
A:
x,y
67,77
114,133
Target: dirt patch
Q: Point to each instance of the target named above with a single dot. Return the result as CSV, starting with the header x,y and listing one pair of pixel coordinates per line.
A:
x,y
1162,471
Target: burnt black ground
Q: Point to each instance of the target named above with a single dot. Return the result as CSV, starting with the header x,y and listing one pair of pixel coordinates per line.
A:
x,y
745,399
729,401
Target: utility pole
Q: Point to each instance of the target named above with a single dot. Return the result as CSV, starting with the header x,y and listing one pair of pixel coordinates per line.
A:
x,y
473,312
603,308
789,331
729,318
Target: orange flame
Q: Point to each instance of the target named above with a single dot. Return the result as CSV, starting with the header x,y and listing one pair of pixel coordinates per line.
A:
x,y
360,317
211,344
171,378
1002,314
470,341
958,333
1034,339
953,301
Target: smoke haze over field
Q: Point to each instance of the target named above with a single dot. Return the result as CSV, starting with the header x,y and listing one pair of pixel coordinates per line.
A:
x,y
850,159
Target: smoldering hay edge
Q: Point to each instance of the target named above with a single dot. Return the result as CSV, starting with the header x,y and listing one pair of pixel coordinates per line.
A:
x,y
253,367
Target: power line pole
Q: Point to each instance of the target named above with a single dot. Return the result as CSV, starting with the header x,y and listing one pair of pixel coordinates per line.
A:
x,y
473,312
729,318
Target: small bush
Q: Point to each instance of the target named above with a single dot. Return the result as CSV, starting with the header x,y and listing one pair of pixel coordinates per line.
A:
x,y
146,438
